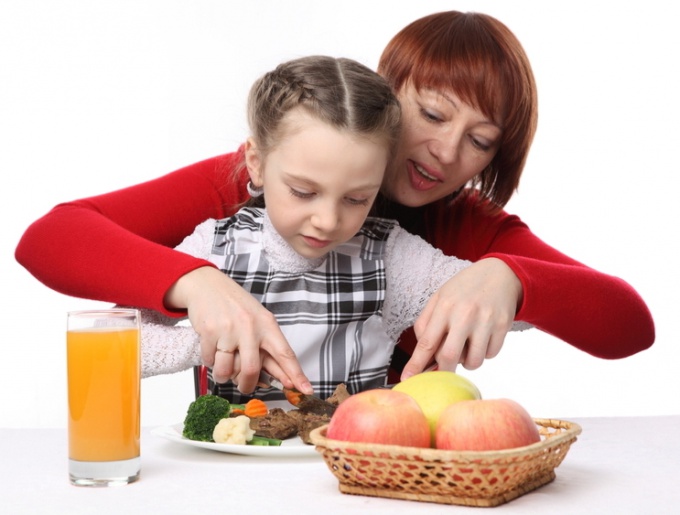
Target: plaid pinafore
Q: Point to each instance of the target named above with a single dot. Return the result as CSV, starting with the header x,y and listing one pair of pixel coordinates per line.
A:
x,y
331,315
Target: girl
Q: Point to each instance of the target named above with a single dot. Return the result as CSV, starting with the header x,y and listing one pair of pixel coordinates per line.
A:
x,y
342,287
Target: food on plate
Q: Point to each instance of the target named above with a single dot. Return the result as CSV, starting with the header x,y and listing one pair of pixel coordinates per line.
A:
x,y
208,411
270,427
282,424
305,422
252,408
485,425
275,424
309,415
203,415
233,430
309,403
340,394
381,416
435,390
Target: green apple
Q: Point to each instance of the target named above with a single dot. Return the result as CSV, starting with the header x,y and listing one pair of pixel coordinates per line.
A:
x,y
435,390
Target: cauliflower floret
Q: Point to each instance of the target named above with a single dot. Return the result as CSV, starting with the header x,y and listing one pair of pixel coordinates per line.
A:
x,y
233,430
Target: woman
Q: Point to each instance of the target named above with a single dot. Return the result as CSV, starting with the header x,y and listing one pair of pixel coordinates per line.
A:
x,y
469,118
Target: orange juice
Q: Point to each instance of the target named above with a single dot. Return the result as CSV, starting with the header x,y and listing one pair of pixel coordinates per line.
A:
x,y
103,393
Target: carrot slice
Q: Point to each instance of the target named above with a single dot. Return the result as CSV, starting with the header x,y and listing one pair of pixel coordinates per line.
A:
x,y
292,396
255,408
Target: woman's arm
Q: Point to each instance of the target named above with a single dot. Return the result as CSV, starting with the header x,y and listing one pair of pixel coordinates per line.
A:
x,y
238,336
117,247
595,312
417,274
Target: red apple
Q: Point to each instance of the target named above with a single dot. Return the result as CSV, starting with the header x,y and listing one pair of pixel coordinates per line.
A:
x,y
485,425
380,416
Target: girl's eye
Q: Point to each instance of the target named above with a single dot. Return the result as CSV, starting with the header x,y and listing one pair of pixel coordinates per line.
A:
x,y
301,194
357,201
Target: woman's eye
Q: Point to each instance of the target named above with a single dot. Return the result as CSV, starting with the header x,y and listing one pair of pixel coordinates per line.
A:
x,y
430,116
301,194
480,144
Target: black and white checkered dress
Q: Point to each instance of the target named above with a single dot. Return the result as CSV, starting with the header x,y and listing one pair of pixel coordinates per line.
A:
x,y
330,310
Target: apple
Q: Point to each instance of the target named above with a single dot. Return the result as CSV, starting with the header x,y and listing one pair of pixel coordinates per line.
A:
x,y
435,390
380,416
485,425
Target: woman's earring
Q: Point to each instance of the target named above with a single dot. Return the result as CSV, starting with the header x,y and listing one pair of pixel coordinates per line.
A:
x,y
254,191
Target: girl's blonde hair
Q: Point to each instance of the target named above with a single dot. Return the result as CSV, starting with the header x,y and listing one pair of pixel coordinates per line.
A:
x,y
338,91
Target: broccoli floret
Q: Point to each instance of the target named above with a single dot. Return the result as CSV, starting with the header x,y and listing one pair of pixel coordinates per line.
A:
x,y
203,415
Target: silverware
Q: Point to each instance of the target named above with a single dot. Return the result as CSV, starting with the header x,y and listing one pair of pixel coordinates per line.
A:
x,y
302,401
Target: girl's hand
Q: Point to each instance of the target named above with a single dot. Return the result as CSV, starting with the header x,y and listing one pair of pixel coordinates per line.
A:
x,y
467,319
238,335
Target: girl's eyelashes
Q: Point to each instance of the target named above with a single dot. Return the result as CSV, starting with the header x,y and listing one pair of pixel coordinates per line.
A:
x,y
357,201
308,194
301,194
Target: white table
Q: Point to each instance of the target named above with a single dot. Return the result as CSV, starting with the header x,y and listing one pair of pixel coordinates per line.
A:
x,y
617,466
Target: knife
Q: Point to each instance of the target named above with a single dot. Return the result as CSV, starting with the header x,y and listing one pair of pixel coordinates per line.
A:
x,y
302,401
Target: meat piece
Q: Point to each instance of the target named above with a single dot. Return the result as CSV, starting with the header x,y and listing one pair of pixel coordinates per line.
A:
x,y
282,424
339,395
275,424
306,422
315,406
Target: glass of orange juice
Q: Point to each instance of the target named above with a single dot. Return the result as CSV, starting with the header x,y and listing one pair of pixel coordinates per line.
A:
x,y
104,372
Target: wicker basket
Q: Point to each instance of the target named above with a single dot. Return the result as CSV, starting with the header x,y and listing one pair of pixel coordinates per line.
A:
x,y
487,478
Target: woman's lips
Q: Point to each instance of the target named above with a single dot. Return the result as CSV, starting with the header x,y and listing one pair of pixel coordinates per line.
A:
x,y
418,180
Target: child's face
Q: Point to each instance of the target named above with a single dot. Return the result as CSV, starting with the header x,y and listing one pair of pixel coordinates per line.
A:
x,y
319,183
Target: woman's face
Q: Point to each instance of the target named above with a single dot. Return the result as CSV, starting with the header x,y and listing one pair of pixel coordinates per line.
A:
x,y
444,143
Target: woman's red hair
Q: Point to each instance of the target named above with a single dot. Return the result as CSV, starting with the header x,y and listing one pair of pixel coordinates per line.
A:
x,y
481,60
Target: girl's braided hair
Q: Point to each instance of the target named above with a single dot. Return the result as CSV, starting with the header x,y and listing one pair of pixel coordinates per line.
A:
x,y
338,91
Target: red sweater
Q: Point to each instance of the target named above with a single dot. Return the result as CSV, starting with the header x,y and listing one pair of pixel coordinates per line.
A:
x,y
117,247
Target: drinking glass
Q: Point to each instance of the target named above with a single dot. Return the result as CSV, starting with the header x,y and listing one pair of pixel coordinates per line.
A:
x,y
104,373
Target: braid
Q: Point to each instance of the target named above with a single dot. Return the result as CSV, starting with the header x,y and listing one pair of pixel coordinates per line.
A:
x,y
340,92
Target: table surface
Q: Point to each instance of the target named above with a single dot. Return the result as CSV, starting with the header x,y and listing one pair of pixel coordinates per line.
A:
x,y
617,466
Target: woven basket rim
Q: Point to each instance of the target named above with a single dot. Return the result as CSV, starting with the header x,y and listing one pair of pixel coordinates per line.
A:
x,y
568,431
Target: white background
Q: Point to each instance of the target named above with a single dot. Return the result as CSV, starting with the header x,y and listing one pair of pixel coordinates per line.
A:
x,y
99,95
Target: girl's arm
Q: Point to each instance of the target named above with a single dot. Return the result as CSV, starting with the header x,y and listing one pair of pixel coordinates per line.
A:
x,y
166,348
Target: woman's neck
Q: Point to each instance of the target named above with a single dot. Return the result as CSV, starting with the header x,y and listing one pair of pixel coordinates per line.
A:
x,y
411,219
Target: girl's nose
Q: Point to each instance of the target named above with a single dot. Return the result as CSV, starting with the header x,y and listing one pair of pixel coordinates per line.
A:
x,y
326,217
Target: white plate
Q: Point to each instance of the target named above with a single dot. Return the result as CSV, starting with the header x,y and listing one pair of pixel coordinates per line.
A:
x,y
290,447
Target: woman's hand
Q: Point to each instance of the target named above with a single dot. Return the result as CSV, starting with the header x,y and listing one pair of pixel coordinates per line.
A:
x,y
467,319
238,335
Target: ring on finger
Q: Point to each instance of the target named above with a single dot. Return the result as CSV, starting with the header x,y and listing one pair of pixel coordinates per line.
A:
x,y
226,351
